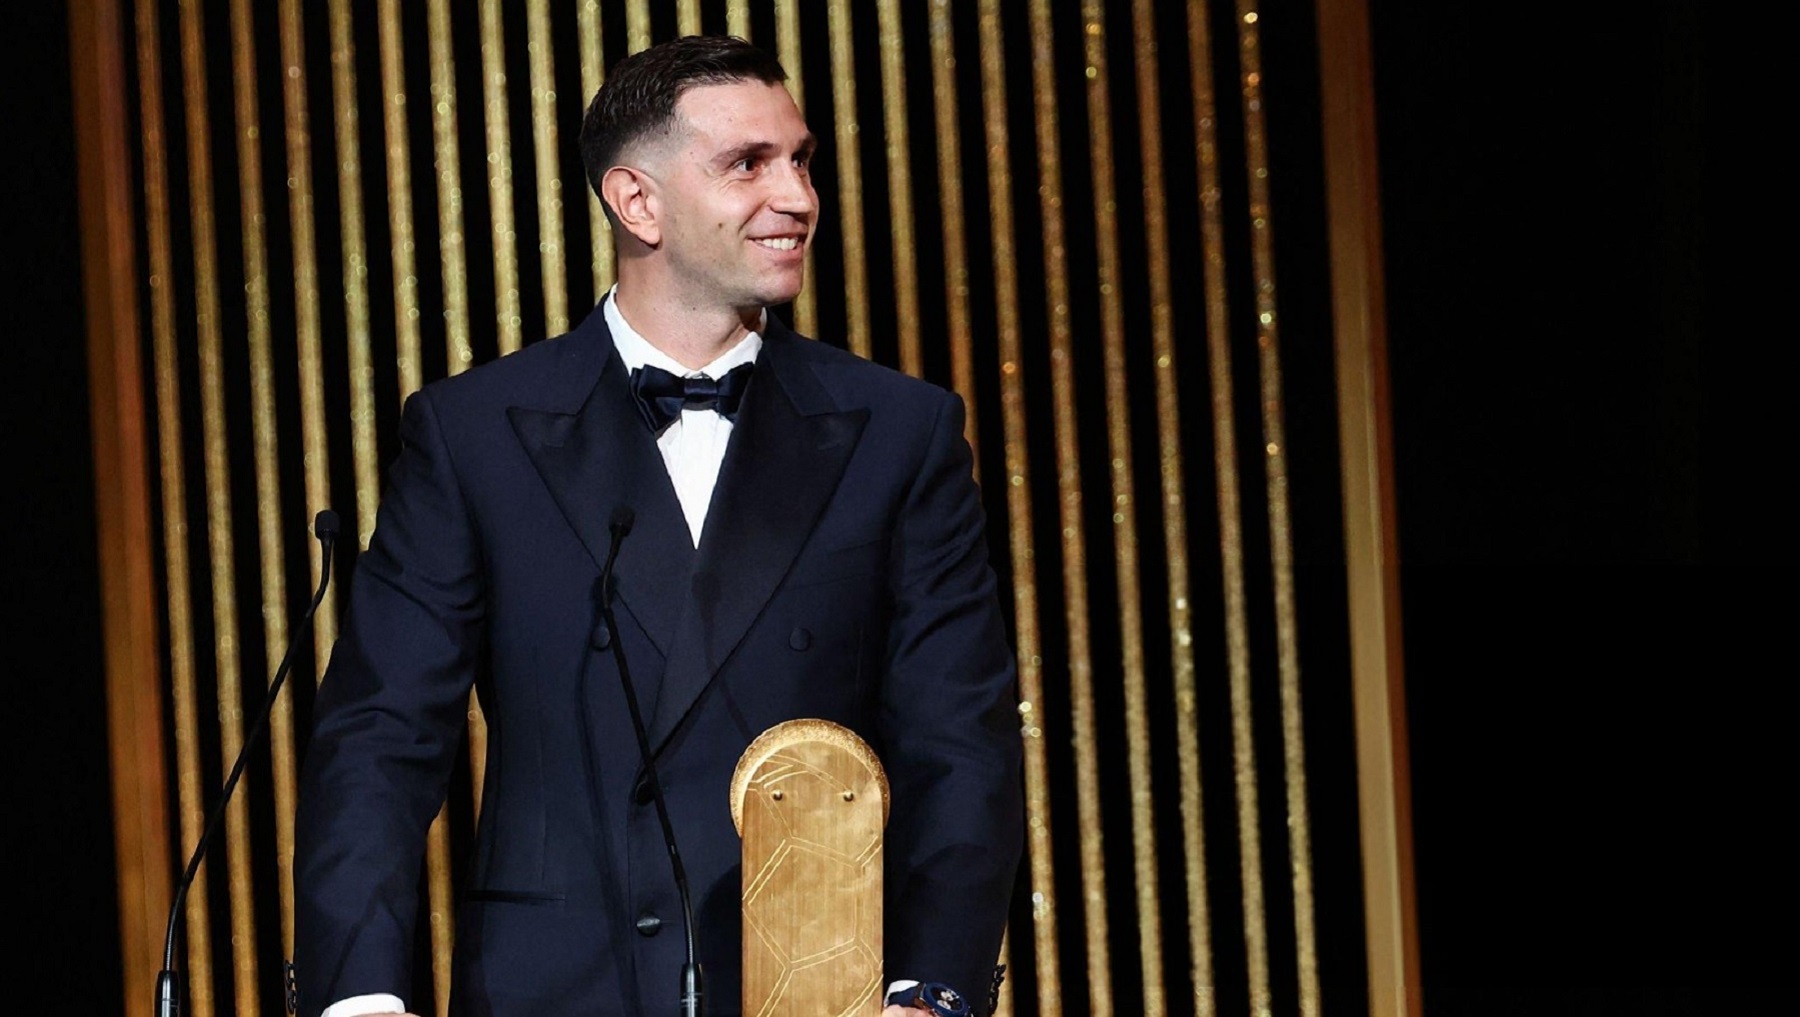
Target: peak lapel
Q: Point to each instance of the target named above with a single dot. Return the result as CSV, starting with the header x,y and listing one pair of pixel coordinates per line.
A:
x,y
787,455
597,459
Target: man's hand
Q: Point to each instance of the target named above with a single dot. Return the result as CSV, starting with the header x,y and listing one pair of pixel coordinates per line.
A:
x,y
903,1011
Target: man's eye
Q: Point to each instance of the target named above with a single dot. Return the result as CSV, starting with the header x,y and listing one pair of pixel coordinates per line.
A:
x,y
746,165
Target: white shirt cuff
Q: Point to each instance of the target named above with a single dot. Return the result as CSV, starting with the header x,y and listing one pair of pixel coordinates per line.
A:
x,y
358,1006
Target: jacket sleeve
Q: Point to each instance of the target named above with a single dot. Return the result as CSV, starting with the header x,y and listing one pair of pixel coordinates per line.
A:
x,y
950,733
387,723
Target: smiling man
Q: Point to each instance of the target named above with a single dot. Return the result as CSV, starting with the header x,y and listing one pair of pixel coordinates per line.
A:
x,y
808,543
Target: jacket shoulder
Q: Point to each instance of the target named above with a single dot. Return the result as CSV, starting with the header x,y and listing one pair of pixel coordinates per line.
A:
x,y
859,381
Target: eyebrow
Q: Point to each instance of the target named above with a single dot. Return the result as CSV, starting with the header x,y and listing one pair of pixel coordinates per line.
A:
x,y
765,148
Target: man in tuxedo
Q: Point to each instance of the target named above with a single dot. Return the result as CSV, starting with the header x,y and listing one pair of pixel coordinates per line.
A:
x,y
808,542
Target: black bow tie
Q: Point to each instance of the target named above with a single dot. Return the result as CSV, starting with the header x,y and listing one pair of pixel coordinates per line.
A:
x,y
661,396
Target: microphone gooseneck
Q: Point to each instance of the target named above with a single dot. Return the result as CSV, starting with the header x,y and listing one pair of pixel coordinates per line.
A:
x,y
692,983
168,983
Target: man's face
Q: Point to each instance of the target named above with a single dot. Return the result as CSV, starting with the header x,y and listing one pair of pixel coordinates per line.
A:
x,y
737,200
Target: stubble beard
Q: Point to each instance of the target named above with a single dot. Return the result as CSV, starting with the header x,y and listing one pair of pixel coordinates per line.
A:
x,y
725,281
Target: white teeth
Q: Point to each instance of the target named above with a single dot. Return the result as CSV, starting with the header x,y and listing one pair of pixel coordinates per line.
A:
x,y
780,243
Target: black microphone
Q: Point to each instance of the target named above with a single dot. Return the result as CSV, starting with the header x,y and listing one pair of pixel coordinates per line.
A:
x,y
168,983
692,984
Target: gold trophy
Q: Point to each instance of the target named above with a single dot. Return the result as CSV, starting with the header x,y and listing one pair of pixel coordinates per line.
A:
x,y
810,800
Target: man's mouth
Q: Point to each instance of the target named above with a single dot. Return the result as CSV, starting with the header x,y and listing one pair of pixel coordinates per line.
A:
x,y
777,243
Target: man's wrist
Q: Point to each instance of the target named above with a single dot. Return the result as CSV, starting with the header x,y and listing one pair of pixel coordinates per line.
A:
x,y
929,996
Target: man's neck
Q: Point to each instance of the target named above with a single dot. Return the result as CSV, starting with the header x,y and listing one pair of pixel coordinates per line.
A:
x,y
693,335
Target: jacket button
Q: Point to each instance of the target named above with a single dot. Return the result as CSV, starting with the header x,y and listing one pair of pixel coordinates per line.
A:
x,y
648,925
642,794
602,636
800,639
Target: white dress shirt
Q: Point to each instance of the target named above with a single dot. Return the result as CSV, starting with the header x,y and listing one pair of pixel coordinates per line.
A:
x,y
692,447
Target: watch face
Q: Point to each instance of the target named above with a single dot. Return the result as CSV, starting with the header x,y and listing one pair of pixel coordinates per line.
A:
x,y
943,1000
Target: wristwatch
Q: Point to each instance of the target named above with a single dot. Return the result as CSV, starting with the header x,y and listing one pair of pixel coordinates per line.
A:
x,y
934,997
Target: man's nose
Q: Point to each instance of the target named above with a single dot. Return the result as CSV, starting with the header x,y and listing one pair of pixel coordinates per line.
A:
x,y
793,192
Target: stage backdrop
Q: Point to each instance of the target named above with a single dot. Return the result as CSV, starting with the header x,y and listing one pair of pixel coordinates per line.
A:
x,y
1138,238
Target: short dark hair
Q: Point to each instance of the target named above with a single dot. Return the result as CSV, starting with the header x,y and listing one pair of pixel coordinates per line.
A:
x,y
640,93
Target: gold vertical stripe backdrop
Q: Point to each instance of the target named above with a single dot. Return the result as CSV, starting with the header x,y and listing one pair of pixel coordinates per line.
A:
x,y
447,155
221,549
593,74
637,25
500,180
950,195
1124,510
1366,458
1174,508
172,481
399,191
117,413
315,459
441,914
356,270
544,138
1085,735
1040,860
315,469
900,200
266,444
849,214
1231,534
1057,349
1287,639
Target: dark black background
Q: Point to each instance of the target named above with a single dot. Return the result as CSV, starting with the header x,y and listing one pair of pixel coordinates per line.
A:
x,y
1591,578
1589,587
62,896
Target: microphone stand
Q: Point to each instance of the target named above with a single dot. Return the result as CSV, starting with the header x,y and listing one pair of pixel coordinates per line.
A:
x,y
168,982
692,983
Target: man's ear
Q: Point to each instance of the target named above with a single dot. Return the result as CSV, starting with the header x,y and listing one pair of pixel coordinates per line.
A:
x,y
631,195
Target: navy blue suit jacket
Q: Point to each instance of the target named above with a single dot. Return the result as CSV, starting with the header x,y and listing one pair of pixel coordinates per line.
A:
x,y
842,574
